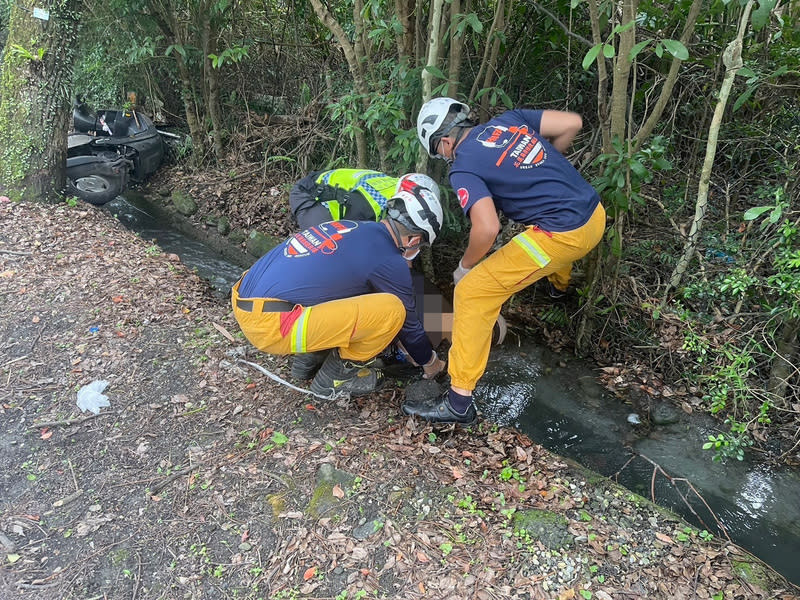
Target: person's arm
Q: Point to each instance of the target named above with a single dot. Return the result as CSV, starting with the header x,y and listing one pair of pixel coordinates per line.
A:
x,y
393,277
560,128
483,231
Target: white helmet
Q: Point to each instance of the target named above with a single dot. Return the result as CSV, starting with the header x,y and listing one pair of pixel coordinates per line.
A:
x,y
417,206
436,118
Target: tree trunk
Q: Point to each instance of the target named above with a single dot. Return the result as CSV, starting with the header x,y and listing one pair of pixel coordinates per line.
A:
x,y
434,45
491,65
208,36
35,106
456,51
622,73
356,70
404,39
666,90
732,58
784,365
602,78
432,57
174,32
498,17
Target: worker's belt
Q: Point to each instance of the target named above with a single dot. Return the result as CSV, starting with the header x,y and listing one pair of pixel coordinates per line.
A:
x,y
269,306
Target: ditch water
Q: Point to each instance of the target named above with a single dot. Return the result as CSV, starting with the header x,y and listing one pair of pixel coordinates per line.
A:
x,y
558,403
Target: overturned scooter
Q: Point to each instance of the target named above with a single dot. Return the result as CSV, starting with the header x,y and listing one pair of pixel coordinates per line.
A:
x,y
107,149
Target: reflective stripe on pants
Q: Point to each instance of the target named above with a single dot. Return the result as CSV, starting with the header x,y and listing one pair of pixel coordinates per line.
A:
x,y
532,255
360,327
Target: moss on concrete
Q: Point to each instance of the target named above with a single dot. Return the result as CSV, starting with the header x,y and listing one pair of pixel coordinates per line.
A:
x,y
548,527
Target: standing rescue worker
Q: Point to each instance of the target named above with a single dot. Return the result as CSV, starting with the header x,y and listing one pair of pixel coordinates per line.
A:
x,y
514,163
344,286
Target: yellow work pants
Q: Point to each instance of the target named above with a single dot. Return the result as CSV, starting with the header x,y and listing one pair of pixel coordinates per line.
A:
x,y
479,296
360,327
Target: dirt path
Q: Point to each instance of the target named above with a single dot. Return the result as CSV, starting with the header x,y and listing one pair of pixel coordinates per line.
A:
x,y
203,479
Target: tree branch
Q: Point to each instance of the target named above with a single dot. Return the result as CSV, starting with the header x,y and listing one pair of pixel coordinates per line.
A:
x,y
566,29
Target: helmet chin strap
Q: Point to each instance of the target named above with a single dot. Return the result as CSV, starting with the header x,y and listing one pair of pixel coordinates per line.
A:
x,y
397,236
459,134
400,246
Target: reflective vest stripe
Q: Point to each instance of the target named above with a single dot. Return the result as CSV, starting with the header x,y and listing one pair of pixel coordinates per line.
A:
x,y
374,187
532,249
300,332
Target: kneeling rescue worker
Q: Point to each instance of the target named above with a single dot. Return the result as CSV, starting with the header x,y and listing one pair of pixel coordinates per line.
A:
x,y
336,294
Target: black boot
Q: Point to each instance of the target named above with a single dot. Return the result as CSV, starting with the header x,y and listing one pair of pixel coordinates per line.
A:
x,y
438,410
554,292
306,364
346,376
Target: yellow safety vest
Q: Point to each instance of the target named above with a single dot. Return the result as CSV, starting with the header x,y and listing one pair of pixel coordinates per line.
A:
x,y
342,189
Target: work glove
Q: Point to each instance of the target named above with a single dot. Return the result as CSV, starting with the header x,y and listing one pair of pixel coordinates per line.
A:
x,y
433,368
459,273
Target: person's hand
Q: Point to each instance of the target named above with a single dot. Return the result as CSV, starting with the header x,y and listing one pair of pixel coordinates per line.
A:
x,y
459,273
433,368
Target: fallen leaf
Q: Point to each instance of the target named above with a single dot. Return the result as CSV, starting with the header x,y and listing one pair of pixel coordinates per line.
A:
x,y
310,572
250,386
117,299
421,588
664,537
364,572
12,558
310,407
457,474
47,433
226,334
337,491
567,594
35,319
422,557
245,535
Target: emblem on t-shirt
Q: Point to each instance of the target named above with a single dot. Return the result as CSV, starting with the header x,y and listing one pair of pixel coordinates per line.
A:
x,y
320,238
522,146
463,196
495,136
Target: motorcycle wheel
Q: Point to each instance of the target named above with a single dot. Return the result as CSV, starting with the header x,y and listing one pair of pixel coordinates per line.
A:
x,y
95,189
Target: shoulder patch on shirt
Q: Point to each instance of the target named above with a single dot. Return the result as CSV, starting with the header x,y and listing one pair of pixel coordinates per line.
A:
x,y
320,238
463,196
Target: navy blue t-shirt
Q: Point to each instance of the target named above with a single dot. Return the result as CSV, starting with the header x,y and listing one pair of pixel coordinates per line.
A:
x,y
335,260
528,179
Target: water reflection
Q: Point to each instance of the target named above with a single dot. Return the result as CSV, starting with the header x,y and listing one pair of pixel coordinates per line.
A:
x,y
755,493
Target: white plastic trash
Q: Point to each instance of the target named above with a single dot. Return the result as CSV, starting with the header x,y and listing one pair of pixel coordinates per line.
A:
x,y
90,397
